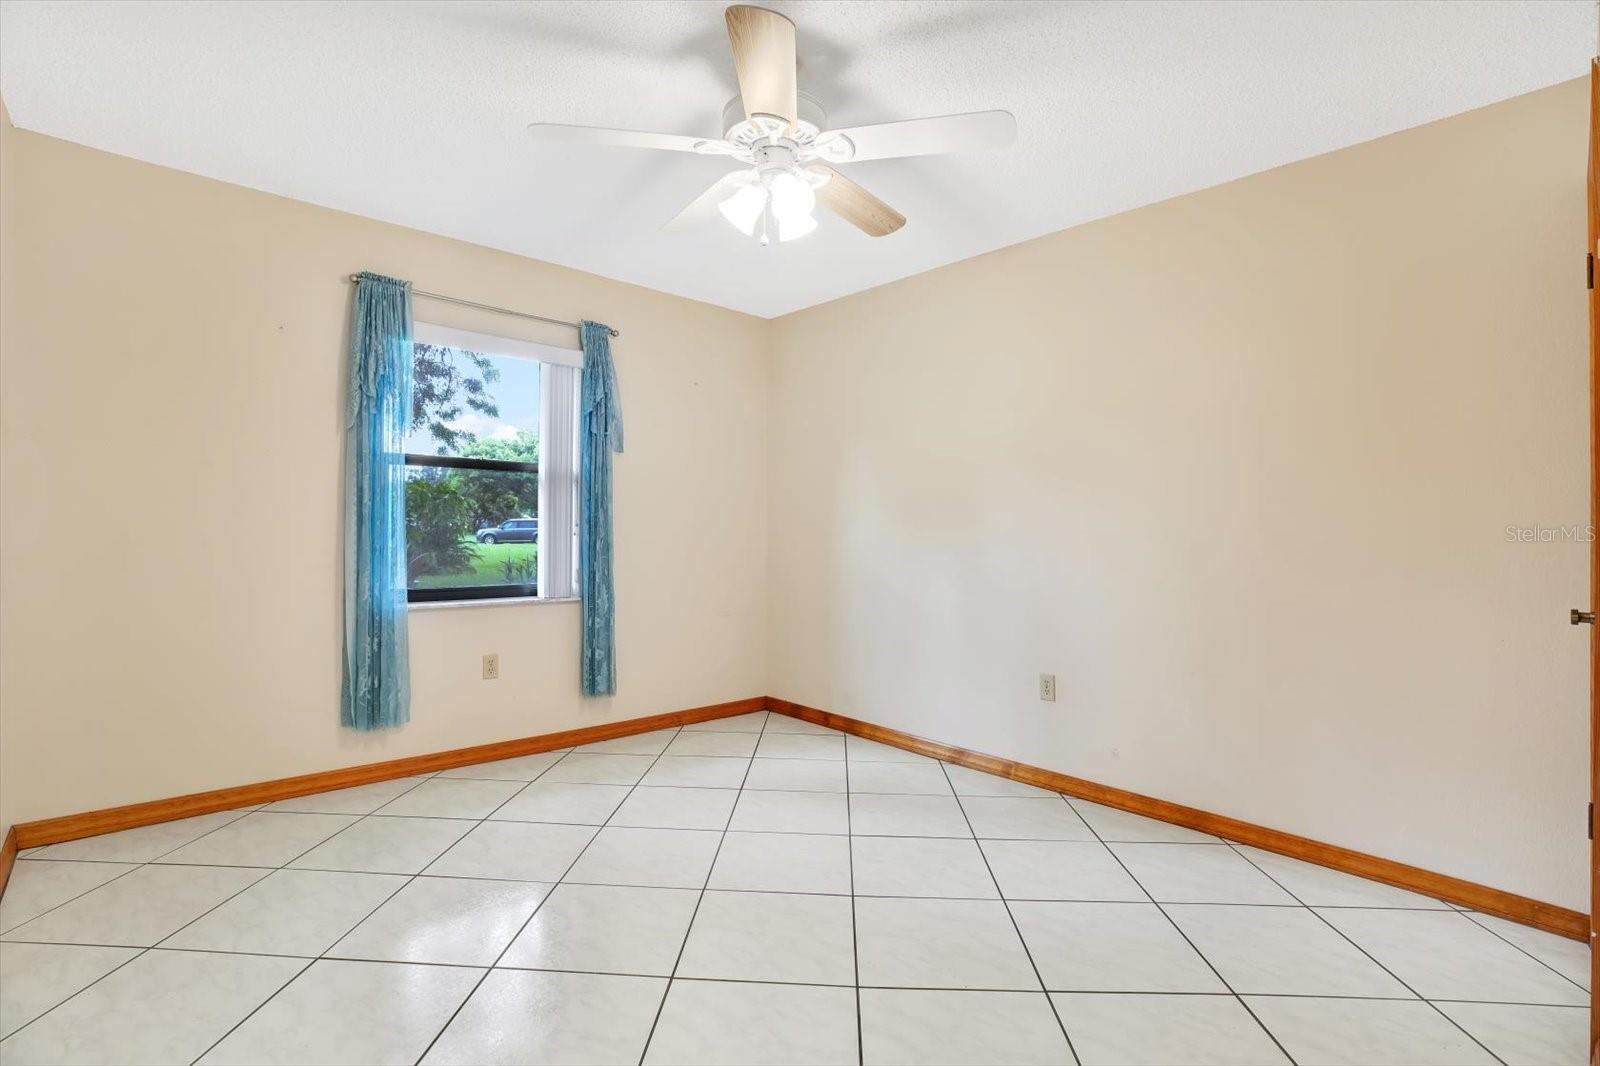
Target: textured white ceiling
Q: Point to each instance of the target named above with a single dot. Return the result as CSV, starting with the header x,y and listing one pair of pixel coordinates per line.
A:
x,y
415,112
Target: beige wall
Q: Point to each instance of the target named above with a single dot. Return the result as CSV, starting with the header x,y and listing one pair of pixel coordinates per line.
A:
x,y
170,438
1237,468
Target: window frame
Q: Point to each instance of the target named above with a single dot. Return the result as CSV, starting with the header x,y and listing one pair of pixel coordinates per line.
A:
x,y
472,592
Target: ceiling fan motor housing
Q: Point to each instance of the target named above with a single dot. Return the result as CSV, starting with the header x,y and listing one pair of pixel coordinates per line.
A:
x,y
808,113
805,140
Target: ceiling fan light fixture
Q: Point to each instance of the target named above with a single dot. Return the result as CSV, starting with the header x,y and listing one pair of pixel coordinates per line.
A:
x,y
745,207
777,205
792,198
798,226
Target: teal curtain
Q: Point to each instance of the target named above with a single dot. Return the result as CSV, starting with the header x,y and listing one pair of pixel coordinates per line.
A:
x,y
599,434
377,674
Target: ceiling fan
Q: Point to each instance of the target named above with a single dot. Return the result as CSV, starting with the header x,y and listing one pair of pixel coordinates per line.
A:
x,y
781,136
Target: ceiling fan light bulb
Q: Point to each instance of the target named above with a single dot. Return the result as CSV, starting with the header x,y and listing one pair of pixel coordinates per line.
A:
x,y
792,196
798,226
744,208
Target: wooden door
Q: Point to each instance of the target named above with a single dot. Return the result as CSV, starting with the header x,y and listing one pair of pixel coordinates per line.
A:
x,y
1593,250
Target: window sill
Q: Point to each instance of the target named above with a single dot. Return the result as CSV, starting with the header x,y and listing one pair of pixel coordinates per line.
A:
x,y
507,601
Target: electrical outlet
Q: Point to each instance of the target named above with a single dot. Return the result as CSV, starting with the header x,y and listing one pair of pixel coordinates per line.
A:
x,y
491,666
1047,687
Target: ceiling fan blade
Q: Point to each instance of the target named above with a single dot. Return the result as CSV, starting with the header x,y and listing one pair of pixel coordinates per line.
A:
x,y
919,136
704,206
671,142
763,58
856,205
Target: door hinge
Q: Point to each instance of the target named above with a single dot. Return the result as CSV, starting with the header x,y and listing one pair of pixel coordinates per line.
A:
x,y
1591,821
1590,258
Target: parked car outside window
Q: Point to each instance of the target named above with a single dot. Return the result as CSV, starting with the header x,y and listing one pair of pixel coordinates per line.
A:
x,y
513,531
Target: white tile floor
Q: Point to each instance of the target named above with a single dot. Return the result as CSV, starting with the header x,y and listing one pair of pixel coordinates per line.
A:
x,y
745,891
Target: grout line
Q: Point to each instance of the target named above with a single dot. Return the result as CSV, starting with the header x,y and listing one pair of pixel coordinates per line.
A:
x,y
1472,916
132,867
800,984
1440,905
708,788
421,780
711,869
1016,928
252,1013
1192,946
138,952
501,805
1440,908
7,939
676,732
1267,874
145,949
855,937
312,962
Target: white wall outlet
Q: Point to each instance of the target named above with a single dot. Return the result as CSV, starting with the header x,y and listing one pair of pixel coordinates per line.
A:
x,y
491,666
1047,687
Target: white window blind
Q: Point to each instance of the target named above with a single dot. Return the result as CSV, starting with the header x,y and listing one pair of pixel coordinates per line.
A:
x,y
558,480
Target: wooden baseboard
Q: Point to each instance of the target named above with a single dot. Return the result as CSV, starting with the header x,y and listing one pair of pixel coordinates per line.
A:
x,y
1469,894
133,815
8,855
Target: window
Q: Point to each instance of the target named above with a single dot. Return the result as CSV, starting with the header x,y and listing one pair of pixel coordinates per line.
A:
x,y
490,468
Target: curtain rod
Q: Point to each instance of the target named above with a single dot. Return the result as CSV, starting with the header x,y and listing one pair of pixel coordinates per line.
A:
x,y
497,310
